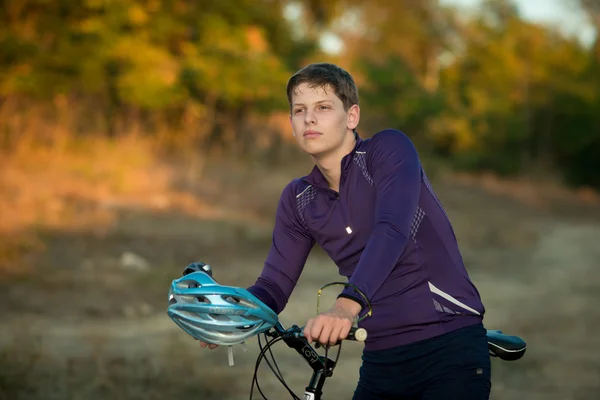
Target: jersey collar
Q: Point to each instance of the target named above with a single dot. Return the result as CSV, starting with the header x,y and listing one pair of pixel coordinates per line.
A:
x,y
317,179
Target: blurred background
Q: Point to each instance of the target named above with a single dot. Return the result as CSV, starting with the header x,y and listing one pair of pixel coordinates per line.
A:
x,y
139,136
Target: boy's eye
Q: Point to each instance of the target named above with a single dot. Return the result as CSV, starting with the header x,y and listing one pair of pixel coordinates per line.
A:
x,y
323,107
298,110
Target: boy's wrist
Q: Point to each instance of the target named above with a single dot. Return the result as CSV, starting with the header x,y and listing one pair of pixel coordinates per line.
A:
x,y
349,304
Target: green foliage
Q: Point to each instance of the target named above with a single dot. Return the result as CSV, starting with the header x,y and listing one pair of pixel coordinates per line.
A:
x,y
488,91
519,96
156,54
396,97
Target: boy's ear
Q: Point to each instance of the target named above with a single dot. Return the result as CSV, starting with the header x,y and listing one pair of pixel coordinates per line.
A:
x,y
353,116
290,119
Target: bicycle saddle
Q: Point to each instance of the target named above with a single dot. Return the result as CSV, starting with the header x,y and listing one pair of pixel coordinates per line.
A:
x,y
505,347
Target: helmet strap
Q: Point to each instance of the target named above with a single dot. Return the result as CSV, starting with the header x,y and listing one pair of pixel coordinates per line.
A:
x,y
230,353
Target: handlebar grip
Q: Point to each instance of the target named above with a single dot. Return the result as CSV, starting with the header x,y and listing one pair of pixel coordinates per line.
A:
x,y
358,334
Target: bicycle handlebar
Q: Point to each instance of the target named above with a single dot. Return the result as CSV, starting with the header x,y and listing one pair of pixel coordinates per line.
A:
x,y
355,334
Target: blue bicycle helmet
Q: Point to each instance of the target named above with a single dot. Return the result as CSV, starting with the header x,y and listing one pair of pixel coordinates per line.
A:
x,y
217,314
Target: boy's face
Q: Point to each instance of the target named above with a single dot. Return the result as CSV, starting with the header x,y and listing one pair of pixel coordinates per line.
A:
x,y
319,122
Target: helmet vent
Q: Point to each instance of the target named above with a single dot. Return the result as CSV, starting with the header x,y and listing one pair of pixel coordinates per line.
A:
x,y
219,317
188,284
239,301
202,299
192,299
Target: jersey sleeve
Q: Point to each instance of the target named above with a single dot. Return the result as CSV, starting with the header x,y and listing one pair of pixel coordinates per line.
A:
x,y
291,245
394,164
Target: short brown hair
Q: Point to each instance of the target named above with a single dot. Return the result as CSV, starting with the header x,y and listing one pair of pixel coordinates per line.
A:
x,y
323,75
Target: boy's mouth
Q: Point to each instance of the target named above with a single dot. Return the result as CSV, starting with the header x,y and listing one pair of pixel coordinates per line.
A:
x,y
311,134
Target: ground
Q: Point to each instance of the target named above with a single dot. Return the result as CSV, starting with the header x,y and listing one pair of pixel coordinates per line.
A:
x,y
90,321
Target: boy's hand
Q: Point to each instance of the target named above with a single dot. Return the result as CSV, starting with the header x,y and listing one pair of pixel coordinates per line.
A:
x,y
333,325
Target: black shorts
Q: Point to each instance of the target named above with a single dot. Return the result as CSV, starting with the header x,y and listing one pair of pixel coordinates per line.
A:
x,y
452,366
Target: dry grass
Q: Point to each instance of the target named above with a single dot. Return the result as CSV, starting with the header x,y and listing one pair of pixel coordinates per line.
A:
x,y
535,192
30,373
59,170
68,187
82,184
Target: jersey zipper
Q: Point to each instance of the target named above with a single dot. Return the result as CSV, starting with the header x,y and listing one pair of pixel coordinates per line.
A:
x,y
345,215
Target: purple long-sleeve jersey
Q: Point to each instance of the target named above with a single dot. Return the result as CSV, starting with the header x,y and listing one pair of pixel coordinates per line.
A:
x,y
388,234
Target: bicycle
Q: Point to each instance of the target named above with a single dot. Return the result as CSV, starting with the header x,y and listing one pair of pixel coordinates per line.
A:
x,y
223,304
505,347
